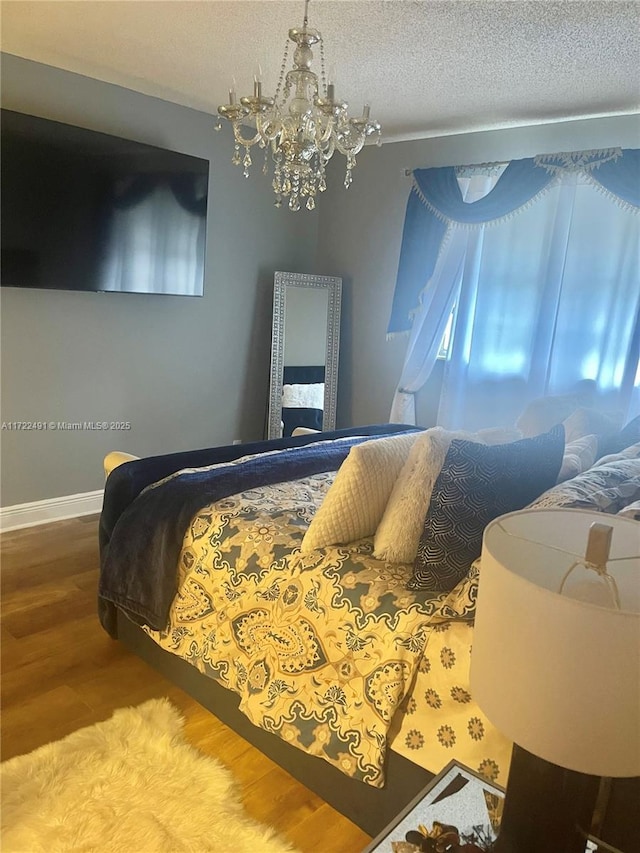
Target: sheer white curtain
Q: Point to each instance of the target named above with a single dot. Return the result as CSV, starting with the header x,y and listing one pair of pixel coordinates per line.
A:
x,y
155,246
544,299
431,318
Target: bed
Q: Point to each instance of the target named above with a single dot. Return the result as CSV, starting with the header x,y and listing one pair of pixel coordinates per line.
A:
x,y
302,397
218,568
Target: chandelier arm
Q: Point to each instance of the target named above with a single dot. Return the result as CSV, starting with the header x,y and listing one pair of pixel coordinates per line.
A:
x,y
349,150
328,152
269,126
324,129
239,138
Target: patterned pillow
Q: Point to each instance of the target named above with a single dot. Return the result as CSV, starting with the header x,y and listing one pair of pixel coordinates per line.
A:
x,y
398,533
604,488
354,504
477,484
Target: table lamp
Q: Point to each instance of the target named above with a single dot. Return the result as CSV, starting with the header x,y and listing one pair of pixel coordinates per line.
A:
x,y
555,666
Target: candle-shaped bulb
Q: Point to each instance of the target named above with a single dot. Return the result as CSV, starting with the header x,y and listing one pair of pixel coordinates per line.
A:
x,y
365,111
232,91
257,81
331,82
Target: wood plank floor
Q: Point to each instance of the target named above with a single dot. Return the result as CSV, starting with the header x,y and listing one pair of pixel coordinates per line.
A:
x,y
60,671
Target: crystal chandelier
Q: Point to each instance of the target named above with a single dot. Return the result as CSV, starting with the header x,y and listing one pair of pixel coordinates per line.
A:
x,y
302,125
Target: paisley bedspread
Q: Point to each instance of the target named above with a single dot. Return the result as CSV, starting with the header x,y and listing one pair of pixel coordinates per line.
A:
x,y
322,647
438,719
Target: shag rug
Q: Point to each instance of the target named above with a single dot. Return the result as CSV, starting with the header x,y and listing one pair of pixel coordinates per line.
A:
x,y
131,784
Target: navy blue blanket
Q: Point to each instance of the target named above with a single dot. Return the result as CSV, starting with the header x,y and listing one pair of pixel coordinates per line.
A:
x,y
139,562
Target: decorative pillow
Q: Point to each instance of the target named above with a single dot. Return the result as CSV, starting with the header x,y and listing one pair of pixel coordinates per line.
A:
x,y
630,433
583,422
477,484
604,488
544,412
310,396
398,533
631,452
499,435
354,504
616,442
579,456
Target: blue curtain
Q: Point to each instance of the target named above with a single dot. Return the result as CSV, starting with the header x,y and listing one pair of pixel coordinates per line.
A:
x,y
435,203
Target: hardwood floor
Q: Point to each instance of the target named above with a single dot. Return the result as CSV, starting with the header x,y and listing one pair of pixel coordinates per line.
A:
x,y
60,671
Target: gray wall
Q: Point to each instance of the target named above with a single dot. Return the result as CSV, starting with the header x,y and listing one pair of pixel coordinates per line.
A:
x,y
185,372
192,373
361,231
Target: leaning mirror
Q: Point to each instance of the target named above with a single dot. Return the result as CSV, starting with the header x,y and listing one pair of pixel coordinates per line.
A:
x,y
305,339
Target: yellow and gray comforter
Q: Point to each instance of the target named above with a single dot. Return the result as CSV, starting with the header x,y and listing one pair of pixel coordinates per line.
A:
x,y
322,648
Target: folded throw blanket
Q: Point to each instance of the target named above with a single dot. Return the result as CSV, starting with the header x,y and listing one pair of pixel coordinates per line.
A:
x,y
139,563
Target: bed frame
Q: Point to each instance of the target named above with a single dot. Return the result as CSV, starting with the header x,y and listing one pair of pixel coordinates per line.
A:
x,y
368,807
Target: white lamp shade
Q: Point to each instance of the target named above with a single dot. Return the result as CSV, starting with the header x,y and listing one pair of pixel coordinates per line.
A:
x,y
560,674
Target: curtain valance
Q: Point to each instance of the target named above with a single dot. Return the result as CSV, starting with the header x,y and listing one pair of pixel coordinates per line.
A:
x,y
189,190
435,205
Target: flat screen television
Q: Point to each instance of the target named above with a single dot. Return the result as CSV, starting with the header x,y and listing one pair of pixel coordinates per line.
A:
x,y
86,211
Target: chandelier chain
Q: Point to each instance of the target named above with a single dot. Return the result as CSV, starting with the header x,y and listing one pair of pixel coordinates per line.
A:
x,y
283,68
323,76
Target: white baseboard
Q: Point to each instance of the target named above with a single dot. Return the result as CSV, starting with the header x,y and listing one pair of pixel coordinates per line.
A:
x,y
51,509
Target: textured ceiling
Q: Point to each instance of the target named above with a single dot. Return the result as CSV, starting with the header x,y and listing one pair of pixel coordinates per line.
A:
x,y
428,68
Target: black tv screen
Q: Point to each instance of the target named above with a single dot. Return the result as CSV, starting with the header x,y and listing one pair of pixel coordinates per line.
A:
x,y
86,211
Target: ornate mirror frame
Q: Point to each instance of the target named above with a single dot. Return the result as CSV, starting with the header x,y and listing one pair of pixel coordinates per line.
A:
x,y
333,285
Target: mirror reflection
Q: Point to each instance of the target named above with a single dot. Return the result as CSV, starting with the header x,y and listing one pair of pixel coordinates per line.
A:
x,y
304,353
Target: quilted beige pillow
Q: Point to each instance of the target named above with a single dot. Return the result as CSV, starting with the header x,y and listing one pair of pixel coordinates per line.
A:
x,y
545,412
579,456
354,504
588,422
398,534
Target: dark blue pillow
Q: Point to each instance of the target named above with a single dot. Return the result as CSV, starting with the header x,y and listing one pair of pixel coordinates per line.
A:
x,y
477,483
616,442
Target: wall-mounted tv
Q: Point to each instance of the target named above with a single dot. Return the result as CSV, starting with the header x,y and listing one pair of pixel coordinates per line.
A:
x,y
86,211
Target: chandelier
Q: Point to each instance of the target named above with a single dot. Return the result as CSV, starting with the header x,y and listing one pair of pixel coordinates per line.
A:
x,y
302,125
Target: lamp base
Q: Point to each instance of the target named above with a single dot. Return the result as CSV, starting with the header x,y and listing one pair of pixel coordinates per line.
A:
x,y
545,807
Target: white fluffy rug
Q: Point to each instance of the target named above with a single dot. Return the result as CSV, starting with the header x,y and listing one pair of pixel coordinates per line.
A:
x,y
129,785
